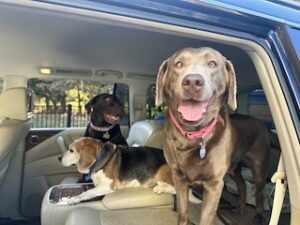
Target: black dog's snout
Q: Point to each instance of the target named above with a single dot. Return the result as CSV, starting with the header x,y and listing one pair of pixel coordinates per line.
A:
x,y
59,158
193,82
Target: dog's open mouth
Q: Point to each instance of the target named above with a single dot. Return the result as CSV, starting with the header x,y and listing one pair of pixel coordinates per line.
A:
x,y
192,110
111,118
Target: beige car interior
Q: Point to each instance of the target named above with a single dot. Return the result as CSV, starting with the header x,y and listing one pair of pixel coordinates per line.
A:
x,y
28,179
42,170
142,133
146,133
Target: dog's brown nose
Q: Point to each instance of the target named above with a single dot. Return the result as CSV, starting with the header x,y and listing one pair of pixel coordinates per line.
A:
x,y
192,82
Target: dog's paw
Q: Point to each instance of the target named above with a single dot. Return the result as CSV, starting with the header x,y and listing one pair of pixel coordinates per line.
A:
x,y
158,189
73,200
162,187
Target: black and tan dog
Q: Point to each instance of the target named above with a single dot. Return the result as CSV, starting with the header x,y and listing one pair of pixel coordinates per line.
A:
x,y
113,167
105,111
202,142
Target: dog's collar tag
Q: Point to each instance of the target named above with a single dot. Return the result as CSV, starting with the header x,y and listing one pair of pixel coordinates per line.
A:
x,y
106,135
202,151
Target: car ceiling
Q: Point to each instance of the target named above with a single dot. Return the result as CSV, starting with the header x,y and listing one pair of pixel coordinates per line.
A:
x,y
32,38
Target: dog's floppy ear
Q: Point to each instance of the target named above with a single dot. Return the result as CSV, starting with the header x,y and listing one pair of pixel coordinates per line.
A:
x,y
160,82
232,89
86,158
90,104
109,146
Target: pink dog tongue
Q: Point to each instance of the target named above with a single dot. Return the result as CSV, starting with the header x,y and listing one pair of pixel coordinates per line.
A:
x,y
192,111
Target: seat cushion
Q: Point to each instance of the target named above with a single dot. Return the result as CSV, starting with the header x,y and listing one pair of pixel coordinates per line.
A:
x,y
84,216
149,216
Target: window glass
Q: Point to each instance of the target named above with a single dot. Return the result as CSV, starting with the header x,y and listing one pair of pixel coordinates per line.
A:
x,y
60,103
153,112
258,107
295,37
121,91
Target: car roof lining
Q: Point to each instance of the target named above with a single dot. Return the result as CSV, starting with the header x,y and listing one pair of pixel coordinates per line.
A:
x,y
98,41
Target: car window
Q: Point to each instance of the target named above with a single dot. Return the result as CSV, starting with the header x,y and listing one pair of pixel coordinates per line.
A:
x,y
60,103
153,112
259,108
121,91
295,37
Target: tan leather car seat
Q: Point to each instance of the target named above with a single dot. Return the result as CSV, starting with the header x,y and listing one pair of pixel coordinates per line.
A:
x,y
14,125
146,133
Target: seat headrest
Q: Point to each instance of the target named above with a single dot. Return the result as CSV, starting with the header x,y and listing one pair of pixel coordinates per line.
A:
x,y
141,131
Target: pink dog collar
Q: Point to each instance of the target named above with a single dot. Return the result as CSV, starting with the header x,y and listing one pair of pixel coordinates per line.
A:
x,y
198,134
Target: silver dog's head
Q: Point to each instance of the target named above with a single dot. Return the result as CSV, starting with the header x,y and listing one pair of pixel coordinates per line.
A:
x,y
195,81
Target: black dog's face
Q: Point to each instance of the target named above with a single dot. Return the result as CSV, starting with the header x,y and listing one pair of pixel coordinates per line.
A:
x,y
104,109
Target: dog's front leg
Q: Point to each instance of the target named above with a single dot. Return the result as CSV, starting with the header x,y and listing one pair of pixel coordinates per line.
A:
x,y
181,187
89,194
211,197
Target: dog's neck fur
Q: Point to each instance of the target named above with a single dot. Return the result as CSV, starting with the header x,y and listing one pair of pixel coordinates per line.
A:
x,y
189,149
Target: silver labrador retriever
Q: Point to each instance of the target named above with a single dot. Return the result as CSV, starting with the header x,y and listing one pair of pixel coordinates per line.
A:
x,y
202,141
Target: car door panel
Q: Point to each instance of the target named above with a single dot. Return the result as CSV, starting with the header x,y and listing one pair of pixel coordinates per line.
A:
x,y
42,169
37,136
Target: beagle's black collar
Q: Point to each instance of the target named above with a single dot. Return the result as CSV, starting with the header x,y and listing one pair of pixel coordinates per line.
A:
x,y
99,158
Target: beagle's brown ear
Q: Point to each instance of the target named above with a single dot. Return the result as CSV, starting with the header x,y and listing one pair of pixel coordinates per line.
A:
x,y
160,82
232,89
89,105
87,156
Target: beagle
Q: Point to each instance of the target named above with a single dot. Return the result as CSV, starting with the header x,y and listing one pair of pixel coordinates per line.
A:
x,y
113,167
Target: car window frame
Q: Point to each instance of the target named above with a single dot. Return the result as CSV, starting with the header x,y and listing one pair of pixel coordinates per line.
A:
x,y
285,58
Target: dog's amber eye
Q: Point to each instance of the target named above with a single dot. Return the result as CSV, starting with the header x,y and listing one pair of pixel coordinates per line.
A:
x,y
212,64
179,64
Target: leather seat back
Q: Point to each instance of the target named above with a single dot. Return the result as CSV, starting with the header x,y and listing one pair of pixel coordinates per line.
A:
x,y
146,133
14,125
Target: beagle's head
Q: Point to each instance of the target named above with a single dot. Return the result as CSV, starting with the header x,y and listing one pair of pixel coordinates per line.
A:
x,y
82,153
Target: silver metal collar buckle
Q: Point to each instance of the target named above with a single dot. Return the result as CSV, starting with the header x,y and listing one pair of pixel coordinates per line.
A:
x,y
202,151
